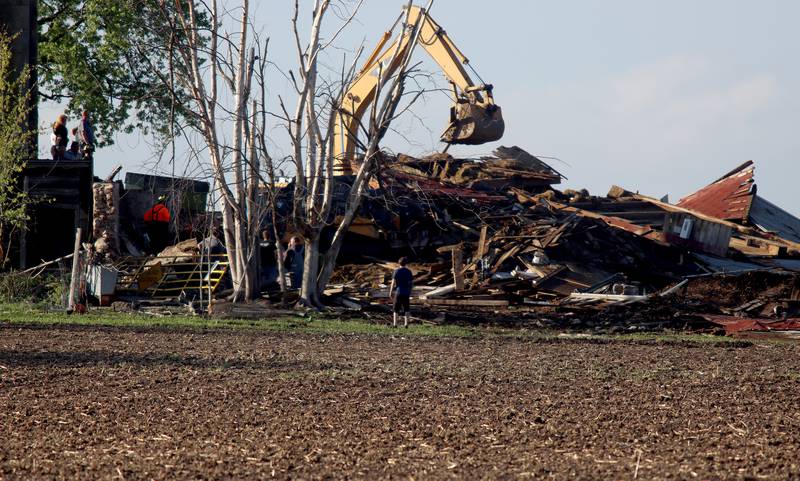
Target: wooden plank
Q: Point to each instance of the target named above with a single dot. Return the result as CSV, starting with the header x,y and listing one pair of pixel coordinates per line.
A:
x,y
458,265
462,226
482,246
508,254
441,291
464,302
450,248
605,297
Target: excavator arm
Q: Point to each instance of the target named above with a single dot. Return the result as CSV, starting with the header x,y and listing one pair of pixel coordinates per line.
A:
x,y
474,119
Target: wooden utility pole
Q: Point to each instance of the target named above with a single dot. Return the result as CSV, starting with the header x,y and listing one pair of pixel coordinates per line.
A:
x,y
75,278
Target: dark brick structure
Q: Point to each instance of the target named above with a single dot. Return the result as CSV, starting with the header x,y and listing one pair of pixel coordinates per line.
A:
x,y
18,17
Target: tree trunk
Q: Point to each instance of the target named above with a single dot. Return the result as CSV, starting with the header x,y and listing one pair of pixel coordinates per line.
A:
x,y
278,250
353,203
309,294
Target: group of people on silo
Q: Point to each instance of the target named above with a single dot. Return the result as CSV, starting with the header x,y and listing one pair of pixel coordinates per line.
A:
x,y
79,146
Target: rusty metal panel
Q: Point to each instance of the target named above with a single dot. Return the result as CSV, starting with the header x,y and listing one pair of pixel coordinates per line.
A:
x,y
729,198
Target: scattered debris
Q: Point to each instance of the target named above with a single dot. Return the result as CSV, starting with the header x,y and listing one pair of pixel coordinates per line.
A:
x,y
492,235
491,240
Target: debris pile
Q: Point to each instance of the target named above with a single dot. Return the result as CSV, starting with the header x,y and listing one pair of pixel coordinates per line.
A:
x,y
494,235
508,167
492,239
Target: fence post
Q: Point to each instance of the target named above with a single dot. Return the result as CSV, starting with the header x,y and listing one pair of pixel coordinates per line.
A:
x,y
75,278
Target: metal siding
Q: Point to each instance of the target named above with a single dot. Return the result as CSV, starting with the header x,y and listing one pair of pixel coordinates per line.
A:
x,y
729,198
771,218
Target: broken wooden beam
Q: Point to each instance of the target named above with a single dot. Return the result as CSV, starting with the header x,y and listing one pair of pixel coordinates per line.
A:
x,y
466,302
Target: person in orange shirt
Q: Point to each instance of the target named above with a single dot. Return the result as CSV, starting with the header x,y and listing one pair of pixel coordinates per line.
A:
x,y
156,220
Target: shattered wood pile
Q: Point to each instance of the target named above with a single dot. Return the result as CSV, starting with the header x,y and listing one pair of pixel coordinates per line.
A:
x,y
507,167
536,256
499,238
491,237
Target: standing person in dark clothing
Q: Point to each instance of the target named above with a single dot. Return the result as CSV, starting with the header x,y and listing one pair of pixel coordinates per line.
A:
x,y
156,220
402,282
294,260
268,253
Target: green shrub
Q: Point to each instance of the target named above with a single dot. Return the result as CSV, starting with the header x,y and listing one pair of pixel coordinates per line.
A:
x,y
16,287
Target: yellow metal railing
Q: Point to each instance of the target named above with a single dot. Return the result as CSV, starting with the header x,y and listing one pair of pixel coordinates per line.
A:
x,y
168,277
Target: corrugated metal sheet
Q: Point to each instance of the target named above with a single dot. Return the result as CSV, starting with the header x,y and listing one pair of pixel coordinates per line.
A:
x,y
728,198
722,265
733,198
787,264
770,218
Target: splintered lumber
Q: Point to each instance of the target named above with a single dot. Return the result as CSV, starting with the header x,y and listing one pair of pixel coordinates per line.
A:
x,y
457,252
554,235
113,173
48,263
675,288
514,251
466,302
607,297
462,226
442,291
482,247
458,265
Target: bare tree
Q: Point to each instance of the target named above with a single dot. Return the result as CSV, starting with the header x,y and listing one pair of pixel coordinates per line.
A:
x,y
225,76
216,69
311,129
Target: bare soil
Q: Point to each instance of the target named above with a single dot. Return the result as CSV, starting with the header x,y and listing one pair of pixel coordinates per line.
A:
x,y
115,403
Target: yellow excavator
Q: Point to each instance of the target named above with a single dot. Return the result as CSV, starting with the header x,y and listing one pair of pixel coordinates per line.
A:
x,y
474,118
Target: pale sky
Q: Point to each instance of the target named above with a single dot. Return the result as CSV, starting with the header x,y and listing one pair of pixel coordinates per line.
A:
x,y
655,96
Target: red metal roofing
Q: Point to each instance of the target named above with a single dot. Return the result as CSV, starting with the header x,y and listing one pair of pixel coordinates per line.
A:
x,y
736,324
728,198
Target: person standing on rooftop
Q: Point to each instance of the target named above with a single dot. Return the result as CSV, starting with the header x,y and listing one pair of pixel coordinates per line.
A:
x,y
60,137
86,135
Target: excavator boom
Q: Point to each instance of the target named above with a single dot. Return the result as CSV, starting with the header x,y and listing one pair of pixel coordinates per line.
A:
x,y
474,119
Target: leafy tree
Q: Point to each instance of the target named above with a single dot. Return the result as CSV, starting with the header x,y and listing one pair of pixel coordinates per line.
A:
x,y
109,57
15,141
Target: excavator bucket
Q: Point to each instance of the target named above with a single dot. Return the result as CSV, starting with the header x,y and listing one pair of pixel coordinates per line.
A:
x,y
474,124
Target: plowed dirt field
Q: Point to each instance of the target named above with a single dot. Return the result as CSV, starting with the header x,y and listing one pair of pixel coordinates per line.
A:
x,y
116,403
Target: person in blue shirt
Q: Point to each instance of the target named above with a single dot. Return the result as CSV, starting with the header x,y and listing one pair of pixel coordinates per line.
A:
x,y
400,290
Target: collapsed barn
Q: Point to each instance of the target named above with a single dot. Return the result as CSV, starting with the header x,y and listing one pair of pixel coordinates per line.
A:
x,y
488,236
492,234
